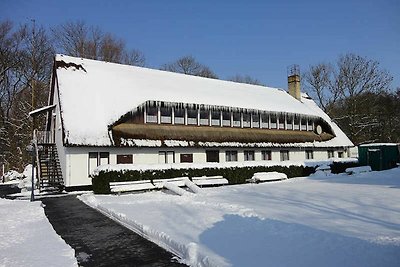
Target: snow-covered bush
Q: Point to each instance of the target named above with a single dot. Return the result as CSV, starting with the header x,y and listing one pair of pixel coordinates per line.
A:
x,y
12,176
26,182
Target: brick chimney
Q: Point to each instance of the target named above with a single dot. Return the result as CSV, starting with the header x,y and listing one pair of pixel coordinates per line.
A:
x,y
294,81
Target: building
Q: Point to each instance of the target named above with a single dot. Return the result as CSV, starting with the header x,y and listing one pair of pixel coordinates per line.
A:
x,y
106,113
380,156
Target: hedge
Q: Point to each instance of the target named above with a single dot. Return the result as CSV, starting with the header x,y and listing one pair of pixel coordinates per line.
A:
x,y
235,175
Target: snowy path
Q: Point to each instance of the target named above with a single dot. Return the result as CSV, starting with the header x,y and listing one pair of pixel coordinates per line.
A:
x,y
28,239
316,221
99,241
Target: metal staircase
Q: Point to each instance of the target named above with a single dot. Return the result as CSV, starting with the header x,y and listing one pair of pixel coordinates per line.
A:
x,y
50,177
50,170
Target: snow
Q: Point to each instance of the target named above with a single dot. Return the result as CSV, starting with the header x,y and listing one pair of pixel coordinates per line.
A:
x,y
40,110
380,144
267,176
28,239
107,91
357,170
335,220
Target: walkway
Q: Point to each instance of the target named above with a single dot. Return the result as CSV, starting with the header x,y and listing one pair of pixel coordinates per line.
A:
x,y
98,240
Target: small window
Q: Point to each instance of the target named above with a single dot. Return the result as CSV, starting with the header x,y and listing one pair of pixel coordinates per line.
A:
x,y
303,124
212,156
296,123
246,120
125,159
331,154
309,154
249,155
192,116
281,121
264,120
231,155
186,158
151,115
226,119
289,122
179,116
310,125
340,154
166,157
273,121
236,119
284,155
266,155
166,115
256,120
216,118
204,117
104,158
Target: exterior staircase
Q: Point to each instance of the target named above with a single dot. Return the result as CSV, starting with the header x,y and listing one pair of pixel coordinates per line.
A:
x,y
48,163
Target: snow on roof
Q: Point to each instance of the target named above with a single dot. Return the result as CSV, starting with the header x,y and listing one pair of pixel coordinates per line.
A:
x,y
41,110
379,144
95,94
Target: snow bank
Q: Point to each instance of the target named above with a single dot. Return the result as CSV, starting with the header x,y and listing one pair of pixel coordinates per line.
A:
x,y
267,176
358,170
28,239
26,182
310,221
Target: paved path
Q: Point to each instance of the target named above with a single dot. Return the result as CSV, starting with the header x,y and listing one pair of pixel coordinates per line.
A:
x,y
98,240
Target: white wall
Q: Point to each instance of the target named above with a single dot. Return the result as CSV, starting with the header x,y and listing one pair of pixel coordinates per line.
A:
x,y
77,158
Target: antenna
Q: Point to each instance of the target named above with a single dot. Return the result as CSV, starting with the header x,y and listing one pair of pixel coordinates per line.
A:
x,y
293,70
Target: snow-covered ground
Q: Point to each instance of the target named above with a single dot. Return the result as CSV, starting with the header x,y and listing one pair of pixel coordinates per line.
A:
x,y
335,220
28,239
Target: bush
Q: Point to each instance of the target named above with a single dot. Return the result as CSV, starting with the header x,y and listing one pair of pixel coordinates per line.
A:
x,y
340,167
236,175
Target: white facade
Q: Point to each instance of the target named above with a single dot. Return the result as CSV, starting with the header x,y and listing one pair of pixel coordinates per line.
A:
x,y
77,166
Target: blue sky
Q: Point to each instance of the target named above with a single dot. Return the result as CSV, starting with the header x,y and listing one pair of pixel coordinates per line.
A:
x,y
258,38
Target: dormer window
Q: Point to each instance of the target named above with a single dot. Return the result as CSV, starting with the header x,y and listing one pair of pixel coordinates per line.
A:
x,y
192,116
179,116
151,115
204,117
246,120
166,114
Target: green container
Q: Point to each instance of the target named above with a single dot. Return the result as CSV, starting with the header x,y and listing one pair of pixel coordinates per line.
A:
x,y
380,156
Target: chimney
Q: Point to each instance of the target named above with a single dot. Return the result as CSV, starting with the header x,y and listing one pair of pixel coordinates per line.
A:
x,y
294,81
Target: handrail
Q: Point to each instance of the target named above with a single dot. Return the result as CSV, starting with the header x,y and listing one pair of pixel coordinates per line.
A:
x,y
36,149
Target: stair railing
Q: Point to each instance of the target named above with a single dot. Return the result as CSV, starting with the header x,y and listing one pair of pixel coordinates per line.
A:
x,y
36,149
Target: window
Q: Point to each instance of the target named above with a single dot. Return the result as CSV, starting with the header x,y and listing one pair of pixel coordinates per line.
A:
x,y
186,158
281,121
266,155
231,155
303,124
340,154
179,116
212,156
273,122
309,154
216,118
226,118
284,155
204,117
104,158
97,159
125,159
289,122
249,155
264,120
236,119
166,157
331,154
246,120
310,125
296,122
192,116
166,115
256,120
151,115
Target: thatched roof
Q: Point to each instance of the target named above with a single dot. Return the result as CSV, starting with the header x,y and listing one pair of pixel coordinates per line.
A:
x,y
212,134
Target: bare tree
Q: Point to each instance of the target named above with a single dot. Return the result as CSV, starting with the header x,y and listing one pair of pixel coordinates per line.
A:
x,y
78,39
189,65
344,91
245,79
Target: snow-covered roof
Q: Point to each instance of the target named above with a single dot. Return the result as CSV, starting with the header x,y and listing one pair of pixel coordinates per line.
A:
x,y
95,94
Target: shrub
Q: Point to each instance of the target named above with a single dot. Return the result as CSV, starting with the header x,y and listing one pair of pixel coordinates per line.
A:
x,y
340,167
235,175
